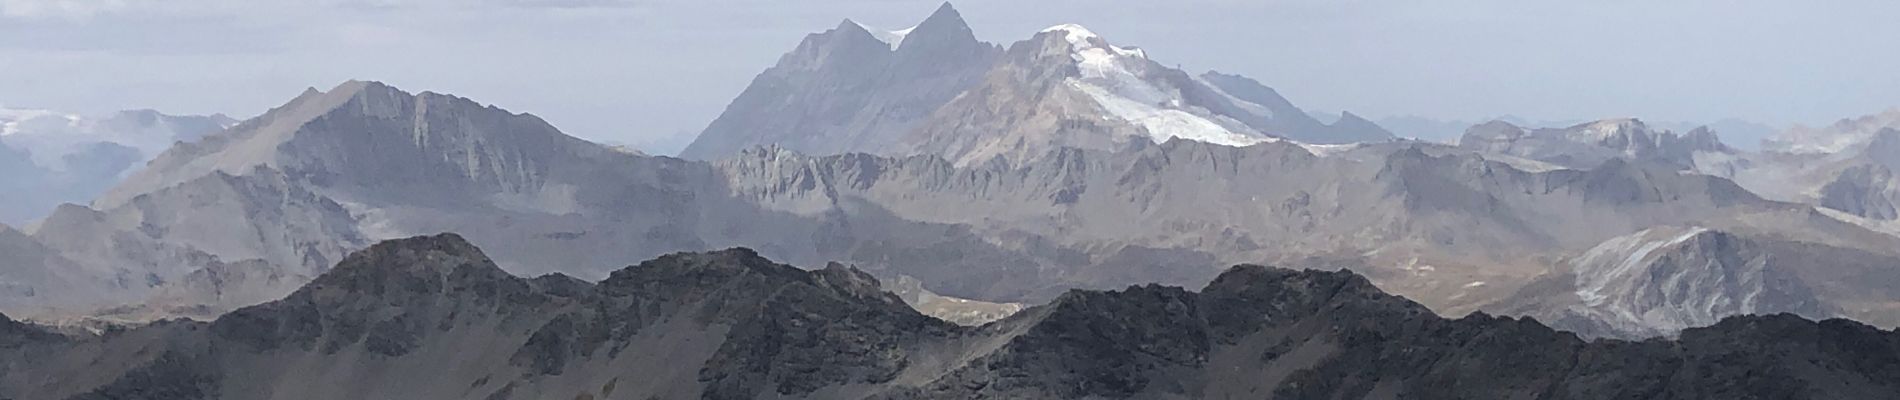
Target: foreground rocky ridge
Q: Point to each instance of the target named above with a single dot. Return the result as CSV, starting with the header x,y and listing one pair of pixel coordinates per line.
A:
x,y
431,317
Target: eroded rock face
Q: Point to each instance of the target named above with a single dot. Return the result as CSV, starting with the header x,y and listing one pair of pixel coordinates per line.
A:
x,y
1868,191
1666,279
431,317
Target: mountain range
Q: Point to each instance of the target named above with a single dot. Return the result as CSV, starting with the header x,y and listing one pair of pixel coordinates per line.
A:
x,y
397,320
1847,167
48,158
982,178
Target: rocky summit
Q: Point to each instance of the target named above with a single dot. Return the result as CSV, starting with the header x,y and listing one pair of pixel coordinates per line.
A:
x,y
433,318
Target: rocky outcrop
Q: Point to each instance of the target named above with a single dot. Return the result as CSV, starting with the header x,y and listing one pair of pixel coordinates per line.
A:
x,y
429,317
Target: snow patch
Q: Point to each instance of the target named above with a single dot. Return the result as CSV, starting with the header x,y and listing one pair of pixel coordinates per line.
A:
x,y
1329,150
894,38
1166,123
1083,40
1115,77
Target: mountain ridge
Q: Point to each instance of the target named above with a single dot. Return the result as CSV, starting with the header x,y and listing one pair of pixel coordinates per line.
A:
x,y
822,334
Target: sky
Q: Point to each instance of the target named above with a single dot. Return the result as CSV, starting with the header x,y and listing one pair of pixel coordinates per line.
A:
x,y
652,73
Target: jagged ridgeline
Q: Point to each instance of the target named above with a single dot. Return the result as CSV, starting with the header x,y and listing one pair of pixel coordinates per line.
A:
x,y
433,318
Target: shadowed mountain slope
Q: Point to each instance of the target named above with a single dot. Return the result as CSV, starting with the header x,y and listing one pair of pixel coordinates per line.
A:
x,y
431,317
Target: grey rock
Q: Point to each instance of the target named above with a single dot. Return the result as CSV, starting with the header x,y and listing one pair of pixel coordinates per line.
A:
x,y
732,325
844,90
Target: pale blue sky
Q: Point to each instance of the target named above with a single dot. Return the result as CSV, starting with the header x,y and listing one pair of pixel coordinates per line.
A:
x,y
646,72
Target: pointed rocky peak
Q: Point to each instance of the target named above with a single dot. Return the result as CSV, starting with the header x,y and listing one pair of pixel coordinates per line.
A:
x,y
1361,128
943,30
849,27
849,47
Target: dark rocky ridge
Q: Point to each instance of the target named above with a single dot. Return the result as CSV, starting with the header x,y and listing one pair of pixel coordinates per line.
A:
x,y
431,317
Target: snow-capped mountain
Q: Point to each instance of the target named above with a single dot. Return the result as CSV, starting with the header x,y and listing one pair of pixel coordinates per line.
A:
x,y
857,89
48,158
1068,87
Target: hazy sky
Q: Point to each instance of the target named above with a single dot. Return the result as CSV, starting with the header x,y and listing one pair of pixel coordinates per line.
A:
x,y
653,73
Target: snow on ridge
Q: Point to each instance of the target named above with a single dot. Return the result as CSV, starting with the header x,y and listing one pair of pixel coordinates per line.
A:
x,y
894,38
1117,79
1075,32
1084,40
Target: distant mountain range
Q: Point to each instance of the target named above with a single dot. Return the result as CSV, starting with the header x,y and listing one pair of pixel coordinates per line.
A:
x,y
399,320
1741,134
48,158
1847,167
984,178
246,215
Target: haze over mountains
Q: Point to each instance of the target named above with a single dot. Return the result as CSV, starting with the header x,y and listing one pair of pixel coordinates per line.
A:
x,y
48,158
984,177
